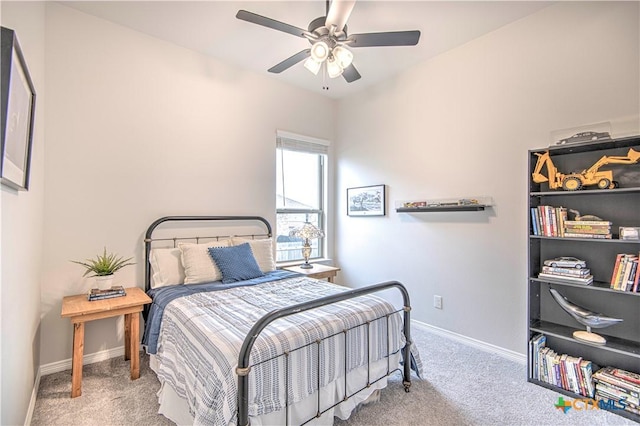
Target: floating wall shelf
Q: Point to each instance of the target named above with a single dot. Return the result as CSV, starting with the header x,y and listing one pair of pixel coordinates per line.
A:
x,y
465,204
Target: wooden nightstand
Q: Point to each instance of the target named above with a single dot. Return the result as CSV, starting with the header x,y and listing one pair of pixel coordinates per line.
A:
x,y
79,310
318,271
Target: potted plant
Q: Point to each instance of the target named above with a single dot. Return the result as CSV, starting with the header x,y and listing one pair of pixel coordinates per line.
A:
x,y
103,267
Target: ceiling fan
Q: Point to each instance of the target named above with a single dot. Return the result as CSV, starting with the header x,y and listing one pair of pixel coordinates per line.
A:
x,y
330,41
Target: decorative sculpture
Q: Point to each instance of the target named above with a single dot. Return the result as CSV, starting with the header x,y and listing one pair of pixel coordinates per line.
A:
x,y
585,317
574,181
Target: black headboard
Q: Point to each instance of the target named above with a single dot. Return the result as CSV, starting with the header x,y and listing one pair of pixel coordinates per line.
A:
x,y
148,239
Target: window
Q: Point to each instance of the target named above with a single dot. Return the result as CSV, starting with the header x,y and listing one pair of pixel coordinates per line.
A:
x,y
300,193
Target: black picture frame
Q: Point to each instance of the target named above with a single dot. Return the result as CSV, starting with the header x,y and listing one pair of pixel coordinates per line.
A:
x,y
366,201
18,106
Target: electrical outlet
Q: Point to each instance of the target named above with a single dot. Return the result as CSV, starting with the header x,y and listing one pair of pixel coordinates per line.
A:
x,y
437,302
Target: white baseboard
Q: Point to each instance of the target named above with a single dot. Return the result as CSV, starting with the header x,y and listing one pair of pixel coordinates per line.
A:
x,y
34,396
65,364
478,344
56,367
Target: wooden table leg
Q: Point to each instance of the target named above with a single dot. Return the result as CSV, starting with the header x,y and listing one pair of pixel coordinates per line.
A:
x,y
330,279
127,337
134,342
76,360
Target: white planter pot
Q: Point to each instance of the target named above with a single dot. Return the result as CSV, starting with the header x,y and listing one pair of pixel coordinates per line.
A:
x,y
104,282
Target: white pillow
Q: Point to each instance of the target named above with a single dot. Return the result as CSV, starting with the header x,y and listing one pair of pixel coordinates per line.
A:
x,y
198,264
262,251
166,266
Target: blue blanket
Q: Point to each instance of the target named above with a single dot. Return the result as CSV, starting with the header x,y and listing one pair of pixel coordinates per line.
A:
x,y
164,295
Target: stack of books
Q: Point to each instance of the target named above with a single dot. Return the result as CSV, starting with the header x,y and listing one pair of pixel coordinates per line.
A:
x,y
587,229
626,273
572,275
619,388
565,371
115,291
548,221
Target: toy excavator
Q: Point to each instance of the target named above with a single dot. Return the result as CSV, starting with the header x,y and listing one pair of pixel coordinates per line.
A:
x,y
576,180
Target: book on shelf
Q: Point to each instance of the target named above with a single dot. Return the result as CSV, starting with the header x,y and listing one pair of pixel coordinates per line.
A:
x,y
618,385
587,371
563,381
616,269
115,291
587,230
585,235
562,219
586,226
566,271
534,222
548,221
568,372
588,222
551,221
618,388
587,279
536,343
628,273
625,273
628,376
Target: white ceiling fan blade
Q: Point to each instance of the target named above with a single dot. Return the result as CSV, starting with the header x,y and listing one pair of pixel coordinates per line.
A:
x,y
339,13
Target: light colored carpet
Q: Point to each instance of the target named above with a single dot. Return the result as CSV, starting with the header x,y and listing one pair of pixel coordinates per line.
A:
x,y
463,386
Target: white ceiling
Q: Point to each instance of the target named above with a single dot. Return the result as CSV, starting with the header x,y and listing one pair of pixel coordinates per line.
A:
x,y
210,27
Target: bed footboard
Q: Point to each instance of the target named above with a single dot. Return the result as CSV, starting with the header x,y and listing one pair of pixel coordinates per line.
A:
x,y
244,367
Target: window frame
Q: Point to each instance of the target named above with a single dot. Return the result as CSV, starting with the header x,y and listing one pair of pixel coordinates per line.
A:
x,y
323,195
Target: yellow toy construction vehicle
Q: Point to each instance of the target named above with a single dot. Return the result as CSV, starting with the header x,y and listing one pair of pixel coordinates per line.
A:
x,y
577,180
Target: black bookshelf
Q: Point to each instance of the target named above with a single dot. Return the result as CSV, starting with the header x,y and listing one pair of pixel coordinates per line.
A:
x,y
620,206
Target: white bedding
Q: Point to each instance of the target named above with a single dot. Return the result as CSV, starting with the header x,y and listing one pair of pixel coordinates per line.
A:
x,y
201,336
176,409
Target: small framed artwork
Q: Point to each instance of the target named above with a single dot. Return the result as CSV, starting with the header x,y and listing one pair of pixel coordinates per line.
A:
x,y
17,103
366,201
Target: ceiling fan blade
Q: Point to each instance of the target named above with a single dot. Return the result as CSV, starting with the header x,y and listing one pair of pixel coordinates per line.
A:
x,y
339,13
351,74
289,62
394,38
270,23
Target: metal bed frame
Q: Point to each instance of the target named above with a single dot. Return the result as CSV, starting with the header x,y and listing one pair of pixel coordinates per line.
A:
x,y
244,367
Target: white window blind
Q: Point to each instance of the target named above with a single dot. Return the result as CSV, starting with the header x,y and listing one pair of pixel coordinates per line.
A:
x,y
300,143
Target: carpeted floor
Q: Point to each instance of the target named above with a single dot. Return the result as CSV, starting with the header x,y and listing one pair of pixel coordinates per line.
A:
x,y
463,386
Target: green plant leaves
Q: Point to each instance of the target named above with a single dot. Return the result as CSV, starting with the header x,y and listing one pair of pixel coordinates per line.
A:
x,y
105,264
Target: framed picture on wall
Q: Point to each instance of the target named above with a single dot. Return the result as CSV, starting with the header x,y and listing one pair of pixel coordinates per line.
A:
x,y
17,103
366,201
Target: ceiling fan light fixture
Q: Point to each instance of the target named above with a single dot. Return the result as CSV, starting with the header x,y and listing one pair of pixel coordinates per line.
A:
x,y
312,65
333,67
329,40
343,56
320,51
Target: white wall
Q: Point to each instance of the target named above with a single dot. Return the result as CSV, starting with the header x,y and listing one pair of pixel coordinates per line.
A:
x,y
138,128
22,236
461,125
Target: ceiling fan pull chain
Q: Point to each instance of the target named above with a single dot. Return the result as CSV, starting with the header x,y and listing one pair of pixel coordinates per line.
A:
x,y
324,78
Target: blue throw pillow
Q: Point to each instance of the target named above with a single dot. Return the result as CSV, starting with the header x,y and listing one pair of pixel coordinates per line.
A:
x,y
236,263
